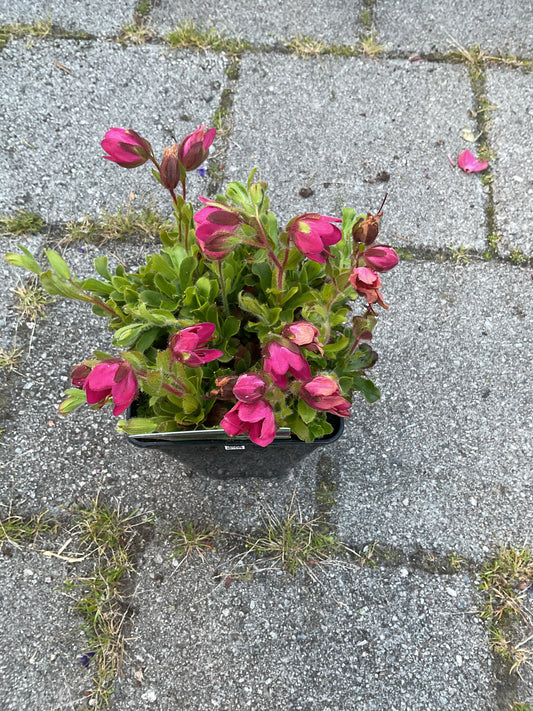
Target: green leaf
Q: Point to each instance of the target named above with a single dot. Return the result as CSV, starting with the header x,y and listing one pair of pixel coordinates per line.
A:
x,y
367,387
57,263
96,285
236,192
127,335
161,265
56,286
230,327
295,257
135,359
335,347
76,397
139,425
298,427
306,412
26,260
187,268
100,264
146,339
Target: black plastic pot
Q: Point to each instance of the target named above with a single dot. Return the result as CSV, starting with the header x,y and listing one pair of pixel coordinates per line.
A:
x,y
213,453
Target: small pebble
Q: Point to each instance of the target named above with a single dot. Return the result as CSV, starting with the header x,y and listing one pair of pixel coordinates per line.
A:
x,y
451,592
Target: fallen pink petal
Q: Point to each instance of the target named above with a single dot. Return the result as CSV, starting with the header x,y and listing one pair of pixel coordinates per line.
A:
x,y
470,164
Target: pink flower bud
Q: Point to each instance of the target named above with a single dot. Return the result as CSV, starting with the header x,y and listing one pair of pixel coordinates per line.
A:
x,y
323,393
380,258
304,334
186,345
249,388
169,171
126,147
313,234
367,283
215,227
194,148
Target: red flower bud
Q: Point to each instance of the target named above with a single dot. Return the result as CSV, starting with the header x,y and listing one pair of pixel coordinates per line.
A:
x,y
380,258
194,148
126,147
169,170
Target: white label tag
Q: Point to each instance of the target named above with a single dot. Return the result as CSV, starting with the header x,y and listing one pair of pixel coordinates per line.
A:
x,y
234,446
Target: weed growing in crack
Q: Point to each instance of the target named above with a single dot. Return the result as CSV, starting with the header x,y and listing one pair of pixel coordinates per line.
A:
x,y
191,538
459,254
187,35
107,536
507,581
21,223
17,529
30,301
517,256
293,543
136,33
9,360
305,47
126,223
370,47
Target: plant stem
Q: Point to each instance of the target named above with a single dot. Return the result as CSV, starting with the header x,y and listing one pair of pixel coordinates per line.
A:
x,y
223,287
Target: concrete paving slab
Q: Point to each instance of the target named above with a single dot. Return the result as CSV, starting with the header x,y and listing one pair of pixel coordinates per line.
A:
x,y
444,461
266,21
102,18
39,665
511,130
353,130
419,26
367,639
51,160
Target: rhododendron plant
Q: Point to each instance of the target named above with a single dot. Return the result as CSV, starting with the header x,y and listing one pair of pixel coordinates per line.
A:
x,y
238,322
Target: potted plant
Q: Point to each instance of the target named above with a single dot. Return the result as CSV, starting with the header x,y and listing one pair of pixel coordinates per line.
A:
x,y
237,326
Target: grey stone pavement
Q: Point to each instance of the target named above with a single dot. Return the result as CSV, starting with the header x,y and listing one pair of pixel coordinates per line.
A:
x,y
442,464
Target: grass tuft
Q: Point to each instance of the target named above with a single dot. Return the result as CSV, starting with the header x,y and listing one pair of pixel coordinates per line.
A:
x,y
21,223
187,35
370,47
193,539
305,47
459,254
507,581
9,360
126,223
16,529
30,301
106,535
136,33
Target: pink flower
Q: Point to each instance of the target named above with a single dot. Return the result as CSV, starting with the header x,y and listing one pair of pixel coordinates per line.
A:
x,y
367,283
215,226
110,378
194,148
256,418
186,345
470,164
282,359
304,334
249,388
323,393
313,234
126,147
380,258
